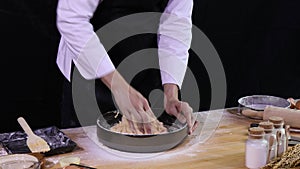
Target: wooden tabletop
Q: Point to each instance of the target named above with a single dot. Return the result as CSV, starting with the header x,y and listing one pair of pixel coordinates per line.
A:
x,y
220,144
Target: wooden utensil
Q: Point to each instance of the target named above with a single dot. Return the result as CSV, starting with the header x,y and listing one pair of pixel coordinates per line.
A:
x,y
35,143
290,116
253,113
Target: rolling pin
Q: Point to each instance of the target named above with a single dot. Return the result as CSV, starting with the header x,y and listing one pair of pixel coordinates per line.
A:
x,y
291,116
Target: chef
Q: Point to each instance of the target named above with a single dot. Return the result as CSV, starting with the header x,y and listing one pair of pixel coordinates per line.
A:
x,y
80,48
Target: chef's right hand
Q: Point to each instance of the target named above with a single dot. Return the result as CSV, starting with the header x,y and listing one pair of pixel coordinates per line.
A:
x,y
130,103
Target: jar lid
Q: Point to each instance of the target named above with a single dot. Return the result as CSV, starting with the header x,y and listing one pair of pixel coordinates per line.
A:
x,y
266,125
256,131
276,120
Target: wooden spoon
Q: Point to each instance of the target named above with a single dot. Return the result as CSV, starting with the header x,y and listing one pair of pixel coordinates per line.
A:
x,y
35,143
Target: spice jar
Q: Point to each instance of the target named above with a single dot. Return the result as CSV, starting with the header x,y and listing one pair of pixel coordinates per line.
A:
x,y
256,148
280,134
271,138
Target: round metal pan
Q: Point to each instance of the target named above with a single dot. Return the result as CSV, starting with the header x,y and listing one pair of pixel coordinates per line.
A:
x,y
149,143
259,102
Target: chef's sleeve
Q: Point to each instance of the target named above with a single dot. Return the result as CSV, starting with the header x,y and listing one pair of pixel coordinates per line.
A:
x,y
174,40
84,46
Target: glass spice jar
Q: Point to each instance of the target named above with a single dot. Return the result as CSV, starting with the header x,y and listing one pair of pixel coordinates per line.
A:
x,y
270,137
256,148
279,131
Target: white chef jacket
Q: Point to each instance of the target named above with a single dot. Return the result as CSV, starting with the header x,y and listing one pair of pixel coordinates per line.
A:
x,y
80,44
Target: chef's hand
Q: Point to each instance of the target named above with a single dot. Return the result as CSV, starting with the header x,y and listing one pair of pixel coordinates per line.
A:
x,y
130,103
181,110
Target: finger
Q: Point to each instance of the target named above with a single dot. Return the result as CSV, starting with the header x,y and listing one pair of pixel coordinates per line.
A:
x,y
139,126
177,113
148,128
187,112
129,123
139,118
175,110
194,117
145,103
135,116
195,123
145,123
180,117
194,126
148,109
148,120
178,106
138,122
150,115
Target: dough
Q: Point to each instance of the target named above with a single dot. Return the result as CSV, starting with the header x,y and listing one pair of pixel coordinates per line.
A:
x,y
129,127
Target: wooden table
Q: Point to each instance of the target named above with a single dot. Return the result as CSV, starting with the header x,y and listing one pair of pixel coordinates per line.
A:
x,y
224,148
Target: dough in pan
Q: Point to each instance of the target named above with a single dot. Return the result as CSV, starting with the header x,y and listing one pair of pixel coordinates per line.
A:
x,y
130,127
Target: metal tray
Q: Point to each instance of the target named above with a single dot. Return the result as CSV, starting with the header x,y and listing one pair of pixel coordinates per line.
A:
x,y
15,142
150,143
259,102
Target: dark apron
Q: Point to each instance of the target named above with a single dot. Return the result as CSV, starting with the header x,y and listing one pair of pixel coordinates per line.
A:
x,y
144,81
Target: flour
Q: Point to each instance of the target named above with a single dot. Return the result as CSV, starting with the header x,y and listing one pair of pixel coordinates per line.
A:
x,y
256,148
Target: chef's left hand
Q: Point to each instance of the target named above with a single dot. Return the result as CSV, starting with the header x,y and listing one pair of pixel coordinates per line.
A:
x,y
181,110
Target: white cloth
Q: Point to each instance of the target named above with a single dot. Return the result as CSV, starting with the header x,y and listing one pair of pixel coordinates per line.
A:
x,y
73,23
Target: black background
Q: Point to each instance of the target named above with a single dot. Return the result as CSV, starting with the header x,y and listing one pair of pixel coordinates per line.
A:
x,y
257,41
